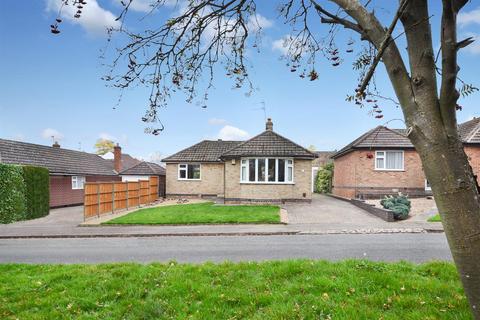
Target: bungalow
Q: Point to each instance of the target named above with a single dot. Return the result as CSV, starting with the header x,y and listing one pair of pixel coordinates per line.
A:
x,y
265,168
383,161
69,169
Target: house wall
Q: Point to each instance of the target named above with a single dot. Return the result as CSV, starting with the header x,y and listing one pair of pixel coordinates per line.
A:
x,y
254,192
210,185
355,176
161,181
62,194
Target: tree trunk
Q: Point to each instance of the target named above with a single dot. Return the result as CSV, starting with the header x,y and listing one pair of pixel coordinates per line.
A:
x,y
457,197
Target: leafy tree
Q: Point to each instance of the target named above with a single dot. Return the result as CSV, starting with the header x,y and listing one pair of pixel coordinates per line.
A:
x,y
103,146
323,181
180,51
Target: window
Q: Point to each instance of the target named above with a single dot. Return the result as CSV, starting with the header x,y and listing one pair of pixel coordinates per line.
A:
x,y
188,172
428,187
266,170
78,182
389,160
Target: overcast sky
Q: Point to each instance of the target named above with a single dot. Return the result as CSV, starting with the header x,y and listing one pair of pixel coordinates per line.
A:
x,y
50,86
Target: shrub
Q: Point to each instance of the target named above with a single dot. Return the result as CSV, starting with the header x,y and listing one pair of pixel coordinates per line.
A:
x,y
400,205
12,193
37,194
323,181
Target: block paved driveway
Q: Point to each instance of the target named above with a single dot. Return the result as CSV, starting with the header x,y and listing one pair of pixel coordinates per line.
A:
x,y
332,213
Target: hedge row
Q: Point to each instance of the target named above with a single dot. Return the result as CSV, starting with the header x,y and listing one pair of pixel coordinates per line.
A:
x,y
24,192
323,180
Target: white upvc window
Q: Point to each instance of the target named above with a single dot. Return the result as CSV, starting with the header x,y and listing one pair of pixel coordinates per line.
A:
x,y
266,170
78,182
389,160
189,171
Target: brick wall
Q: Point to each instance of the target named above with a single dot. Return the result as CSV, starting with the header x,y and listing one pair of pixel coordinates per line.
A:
x,y
299,191
355,175
211,183
62,194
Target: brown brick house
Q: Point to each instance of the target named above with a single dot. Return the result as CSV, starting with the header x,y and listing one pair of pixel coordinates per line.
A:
x,y
383,161
265,168
69,169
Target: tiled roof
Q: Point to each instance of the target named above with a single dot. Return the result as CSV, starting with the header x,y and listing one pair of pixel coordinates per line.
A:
x,y
56,160
204,151
145,169
469,131
269,143
383,137
378,137
127,161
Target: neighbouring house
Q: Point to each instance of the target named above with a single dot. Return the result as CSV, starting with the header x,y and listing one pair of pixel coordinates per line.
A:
x,y
69,169
143,171
383,161
126,160
265,168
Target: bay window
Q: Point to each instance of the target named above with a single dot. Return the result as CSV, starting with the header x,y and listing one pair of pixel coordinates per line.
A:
x,y
188,171
389,160
266,170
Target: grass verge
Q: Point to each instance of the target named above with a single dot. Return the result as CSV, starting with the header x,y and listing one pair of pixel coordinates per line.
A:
x,y
201,213
435,218
293,289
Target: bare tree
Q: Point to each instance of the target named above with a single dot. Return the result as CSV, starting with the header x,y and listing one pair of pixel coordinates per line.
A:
x,y
187,48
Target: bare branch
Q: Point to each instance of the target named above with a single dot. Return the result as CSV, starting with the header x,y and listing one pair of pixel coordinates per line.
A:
x,y
465,42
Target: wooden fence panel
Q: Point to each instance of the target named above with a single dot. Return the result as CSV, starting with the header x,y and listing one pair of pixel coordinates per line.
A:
x,y
106,197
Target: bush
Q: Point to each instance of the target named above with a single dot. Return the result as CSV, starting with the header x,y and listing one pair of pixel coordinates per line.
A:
x,y
323,181
37,191
12,193
400,205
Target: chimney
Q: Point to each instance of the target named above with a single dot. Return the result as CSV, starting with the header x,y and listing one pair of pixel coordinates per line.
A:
x,y
117,158
269,125
56,145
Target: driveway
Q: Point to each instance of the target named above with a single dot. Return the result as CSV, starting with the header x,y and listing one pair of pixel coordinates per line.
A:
x,y
333,214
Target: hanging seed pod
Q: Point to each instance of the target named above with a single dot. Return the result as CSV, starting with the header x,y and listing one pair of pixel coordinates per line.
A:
x,y
336,64
55,31
349,50
58,20
380,116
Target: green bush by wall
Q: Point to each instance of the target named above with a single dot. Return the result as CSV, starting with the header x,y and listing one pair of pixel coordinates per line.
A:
x,y
37,186
323,181
12,193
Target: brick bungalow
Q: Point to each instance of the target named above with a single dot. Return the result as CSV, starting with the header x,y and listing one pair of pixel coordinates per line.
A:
x,y
69,169
383,161
265,168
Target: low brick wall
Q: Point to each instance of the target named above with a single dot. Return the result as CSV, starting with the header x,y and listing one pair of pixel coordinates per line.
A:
x,y
383,214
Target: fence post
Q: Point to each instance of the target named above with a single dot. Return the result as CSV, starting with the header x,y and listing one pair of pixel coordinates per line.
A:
x,y
139,193
98,200
113,197
127,193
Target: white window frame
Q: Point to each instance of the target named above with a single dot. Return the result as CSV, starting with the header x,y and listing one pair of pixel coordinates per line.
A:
x,y
184,166
384,157
244,163
78,182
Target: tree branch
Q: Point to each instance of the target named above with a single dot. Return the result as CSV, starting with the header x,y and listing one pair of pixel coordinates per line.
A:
x,y
386,41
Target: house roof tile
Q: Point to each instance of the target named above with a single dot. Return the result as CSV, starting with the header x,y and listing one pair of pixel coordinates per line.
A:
x,y
56,160
145,169
269,144
383,137
204,151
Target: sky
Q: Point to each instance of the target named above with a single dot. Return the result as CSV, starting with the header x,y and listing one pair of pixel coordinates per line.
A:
x,y
51,86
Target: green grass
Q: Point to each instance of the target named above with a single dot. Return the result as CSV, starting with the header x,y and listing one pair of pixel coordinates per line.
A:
x,y
295,289
198,213
435,218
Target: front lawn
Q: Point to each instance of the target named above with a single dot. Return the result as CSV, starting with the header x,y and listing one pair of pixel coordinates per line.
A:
x,y
295,289
435,218
198,213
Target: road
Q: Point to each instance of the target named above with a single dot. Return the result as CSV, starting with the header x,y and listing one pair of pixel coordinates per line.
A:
x,y
379,247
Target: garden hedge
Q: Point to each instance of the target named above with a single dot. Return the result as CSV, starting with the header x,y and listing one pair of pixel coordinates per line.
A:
x,y
37,194
323,180
12,193
24,192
